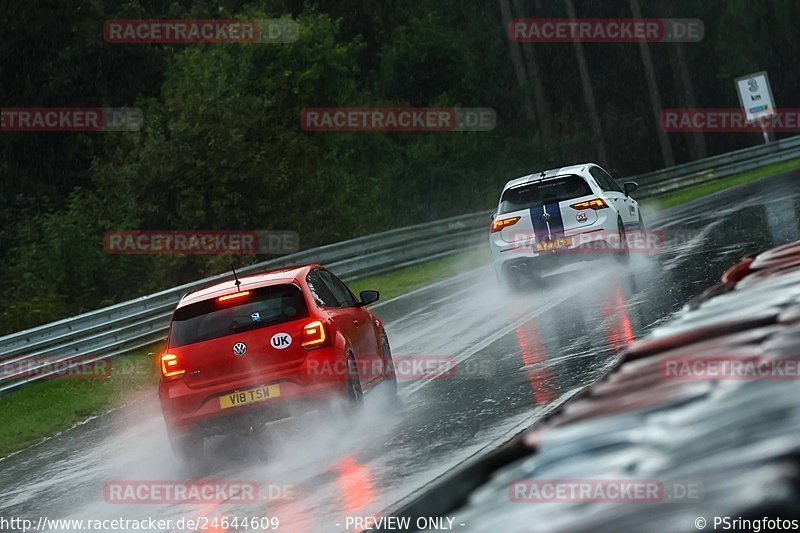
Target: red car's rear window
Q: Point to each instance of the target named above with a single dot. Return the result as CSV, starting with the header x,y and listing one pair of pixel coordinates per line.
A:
x,y
210,319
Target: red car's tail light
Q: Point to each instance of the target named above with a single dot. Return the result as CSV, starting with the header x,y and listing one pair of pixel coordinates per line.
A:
x,y
594,203
314,335
233,296
171,367
499,224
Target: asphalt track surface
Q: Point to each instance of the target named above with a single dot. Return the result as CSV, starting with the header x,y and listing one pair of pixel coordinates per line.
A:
x,y
518,356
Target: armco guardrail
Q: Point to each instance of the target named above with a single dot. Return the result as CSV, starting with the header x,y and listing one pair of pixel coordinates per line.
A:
x,y
138,323
675,178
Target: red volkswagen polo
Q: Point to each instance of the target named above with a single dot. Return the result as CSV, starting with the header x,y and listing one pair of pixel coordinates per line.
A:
x,y
264,347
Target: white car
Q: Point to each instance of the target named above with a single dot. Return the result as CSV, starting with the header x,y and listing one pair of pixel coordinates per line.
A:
x,y
557,217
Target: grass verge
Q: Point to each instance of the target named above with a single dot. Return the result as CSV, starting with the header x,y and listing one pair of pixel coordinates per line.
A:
x,y
698,191
48,406
413,277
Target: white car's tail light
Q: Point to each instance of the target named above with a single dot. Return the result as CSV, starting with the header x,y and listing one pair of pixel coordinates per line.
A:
x,y
594,203
501,223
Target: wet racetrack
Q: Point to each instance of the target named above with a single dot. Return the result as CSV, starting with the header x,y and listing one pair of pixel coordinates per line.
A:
x,y
518,356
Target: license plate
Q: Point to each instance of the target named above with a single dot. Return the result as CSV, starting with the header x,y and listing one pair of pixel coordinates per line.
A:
x,y
245,397
561,242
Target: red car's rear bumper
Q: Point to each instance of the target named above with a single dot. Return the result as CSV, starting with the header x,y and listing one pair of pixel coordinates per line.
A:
x,y
321,377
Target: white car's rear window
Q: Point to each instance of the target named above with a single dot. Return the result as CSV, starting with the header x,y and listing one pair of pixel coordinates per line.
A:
x,y
544,192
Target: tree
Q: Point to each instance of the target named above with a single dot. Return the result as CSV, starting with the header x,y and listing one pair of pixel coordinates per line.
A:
x,y
588,93
519,66
655,96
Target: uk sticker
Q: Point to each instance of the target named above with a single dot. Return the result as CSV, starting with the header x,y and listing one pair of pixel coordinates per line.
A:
x,y
281,341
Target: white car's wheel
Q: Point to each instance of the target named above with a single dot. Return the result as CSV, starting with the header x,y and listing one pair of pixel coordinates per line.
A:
x,y
623,253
